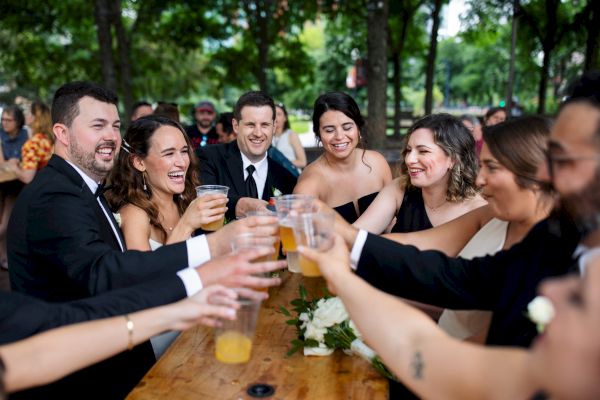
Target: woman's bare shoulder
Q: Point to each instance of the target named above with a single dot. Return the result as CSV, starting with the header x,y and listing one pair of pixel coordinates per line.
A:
x,y
310,179
134,213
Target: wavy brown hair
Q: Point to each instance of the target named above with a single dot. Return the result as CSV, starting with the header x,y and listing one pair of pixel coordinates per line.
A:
x,y
457,142
126,182
42,120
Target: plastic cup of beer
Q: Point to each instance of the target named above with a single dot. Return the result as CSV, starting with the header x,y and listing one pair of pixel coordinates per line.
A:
x,y
233,339
204,190
314,230
252,241
268,213
288,207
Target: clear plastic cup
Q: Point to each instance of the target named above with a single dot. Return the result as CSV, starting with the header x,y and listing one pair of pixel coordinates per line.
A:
x,y
204,190
252,241
233,339
314,230
287,207
277,239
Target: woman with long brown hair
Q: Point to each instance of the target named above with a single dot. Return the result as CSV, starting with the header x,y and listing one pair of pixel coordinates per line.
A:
x,y
153,186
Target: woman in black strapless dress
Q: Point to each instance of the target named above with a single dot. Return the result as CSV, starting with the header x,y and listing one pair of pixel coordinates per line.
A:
x,y
346,176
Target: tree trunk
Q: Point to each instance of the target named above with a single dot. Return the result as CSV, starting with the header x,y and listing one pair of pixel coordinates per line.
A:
x,y
397,91
544,82
263,14
377,71
124,47
435,16
104,34
511,68
592,44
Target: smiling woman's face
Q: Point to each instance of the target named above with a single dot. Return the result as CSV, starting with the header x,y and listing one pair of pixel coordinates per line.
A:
x,y
426,162
167,161
508,200
339,134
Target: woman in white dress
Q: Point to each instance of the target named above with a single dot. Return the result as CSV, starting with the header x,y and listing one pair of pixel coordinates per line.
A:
x,y
153,188
287,141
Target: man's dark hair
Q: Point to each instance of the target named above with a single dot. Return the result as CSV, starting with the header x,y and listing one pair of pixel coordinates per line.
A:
x,y
138,104
64,104
225,120
253,99
586,89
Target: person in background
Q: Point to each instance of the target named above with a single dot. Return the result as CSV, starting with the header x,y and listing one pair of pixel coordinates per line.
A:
x,y
346,176
167,110
13,136
474,126
224,128
287,141
202,132
36,151
140,109
494,116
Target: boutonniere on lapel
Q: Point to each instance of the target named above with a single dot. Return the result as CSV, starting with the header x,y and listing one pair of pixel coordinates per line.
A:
x,y
275,192
117,218
540,311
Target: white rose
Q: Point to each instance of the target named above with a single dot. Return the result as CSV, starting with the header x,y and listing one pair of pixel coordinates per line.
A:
x,y
541,311
314,332
321,350
330,312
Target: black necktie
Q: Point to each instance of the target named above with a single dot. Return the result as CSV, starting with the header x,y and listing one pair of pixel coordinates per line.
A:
x,y
251,189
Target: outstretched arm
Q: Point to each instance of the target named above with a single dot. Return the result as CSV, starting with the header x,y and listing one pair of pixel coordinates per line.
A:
x,y
450,237
382,210
48,356
415,349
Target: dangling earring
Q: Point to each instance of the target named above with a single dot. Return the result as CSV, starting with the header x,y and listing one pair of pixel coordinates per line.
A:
x,y
144,181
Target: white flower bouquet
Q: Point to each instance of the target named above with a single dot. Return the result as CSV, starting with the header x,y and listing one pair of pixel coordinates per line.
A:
x,y
324,325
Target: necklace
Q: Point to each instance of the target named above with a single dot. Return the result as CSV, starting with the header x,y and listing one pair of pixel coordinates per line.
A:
x,y
434,209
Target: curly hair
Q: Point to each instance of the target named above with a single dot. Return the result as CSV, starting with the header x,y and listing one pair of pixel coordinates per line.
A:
x,y
127,182
457,143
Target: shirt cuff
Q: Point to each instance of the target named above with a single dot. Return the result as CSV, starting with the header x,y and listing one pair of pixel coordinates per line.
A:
x,y
357,248
198,251
191,281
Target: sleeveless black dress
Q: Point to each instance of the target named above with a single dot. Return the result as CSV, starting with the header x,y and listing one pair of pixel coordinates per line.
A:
x,y
348,212
412,216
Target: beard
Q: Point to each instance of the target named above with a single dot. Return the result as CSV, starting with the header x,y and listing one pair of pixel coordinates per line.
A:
x,y
584,207
96,169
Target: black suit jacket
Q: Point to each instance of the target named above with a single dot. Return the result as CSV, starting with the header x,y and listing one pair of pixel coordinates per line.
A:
x,y
61,247
221,164
503,283
22,316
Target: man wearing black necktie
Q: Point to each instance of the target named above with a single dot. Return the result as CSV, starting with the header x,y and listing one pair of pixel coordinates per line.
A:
x,y
65,244
243,165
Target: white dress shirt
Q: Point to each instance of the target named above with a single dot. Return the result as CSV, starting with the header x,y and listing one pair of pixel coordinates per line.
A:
x,y
198,251
259,175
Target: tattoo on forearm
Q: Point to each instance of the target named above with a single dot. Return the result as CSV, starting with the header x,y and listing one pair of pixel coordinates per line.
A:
x,y
417,365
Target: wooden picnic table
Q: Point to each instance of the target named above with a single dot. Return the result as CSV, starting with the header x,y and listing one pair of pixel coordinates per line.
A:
x,y
189,369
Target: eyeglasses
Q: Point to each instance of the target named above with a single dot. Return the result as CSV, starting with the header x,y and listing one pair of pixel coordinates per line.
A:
x,y
7,119
555,161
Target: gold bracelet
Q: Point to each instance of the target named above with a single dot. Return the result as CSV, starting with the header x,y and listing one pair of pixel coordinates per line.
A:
x,y
129,324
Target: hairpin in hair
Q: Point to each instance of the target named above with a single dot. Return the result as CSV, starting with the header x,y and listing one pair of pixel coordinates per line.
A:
x,y
125,146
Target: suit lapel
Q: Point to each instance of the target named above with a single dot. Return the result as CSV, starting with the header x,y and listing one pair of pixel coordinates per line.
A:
x,y
106,231
269,182
233,161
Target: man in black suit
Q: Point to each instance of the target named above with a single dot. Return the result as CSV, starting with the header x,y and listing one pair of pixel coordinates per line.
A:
x,y
507,281
64,243
243,165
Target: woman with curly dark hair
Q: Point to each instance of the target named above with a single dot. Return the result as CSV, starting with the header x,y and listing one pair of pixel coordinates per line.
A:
x,y
153,186
437,182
